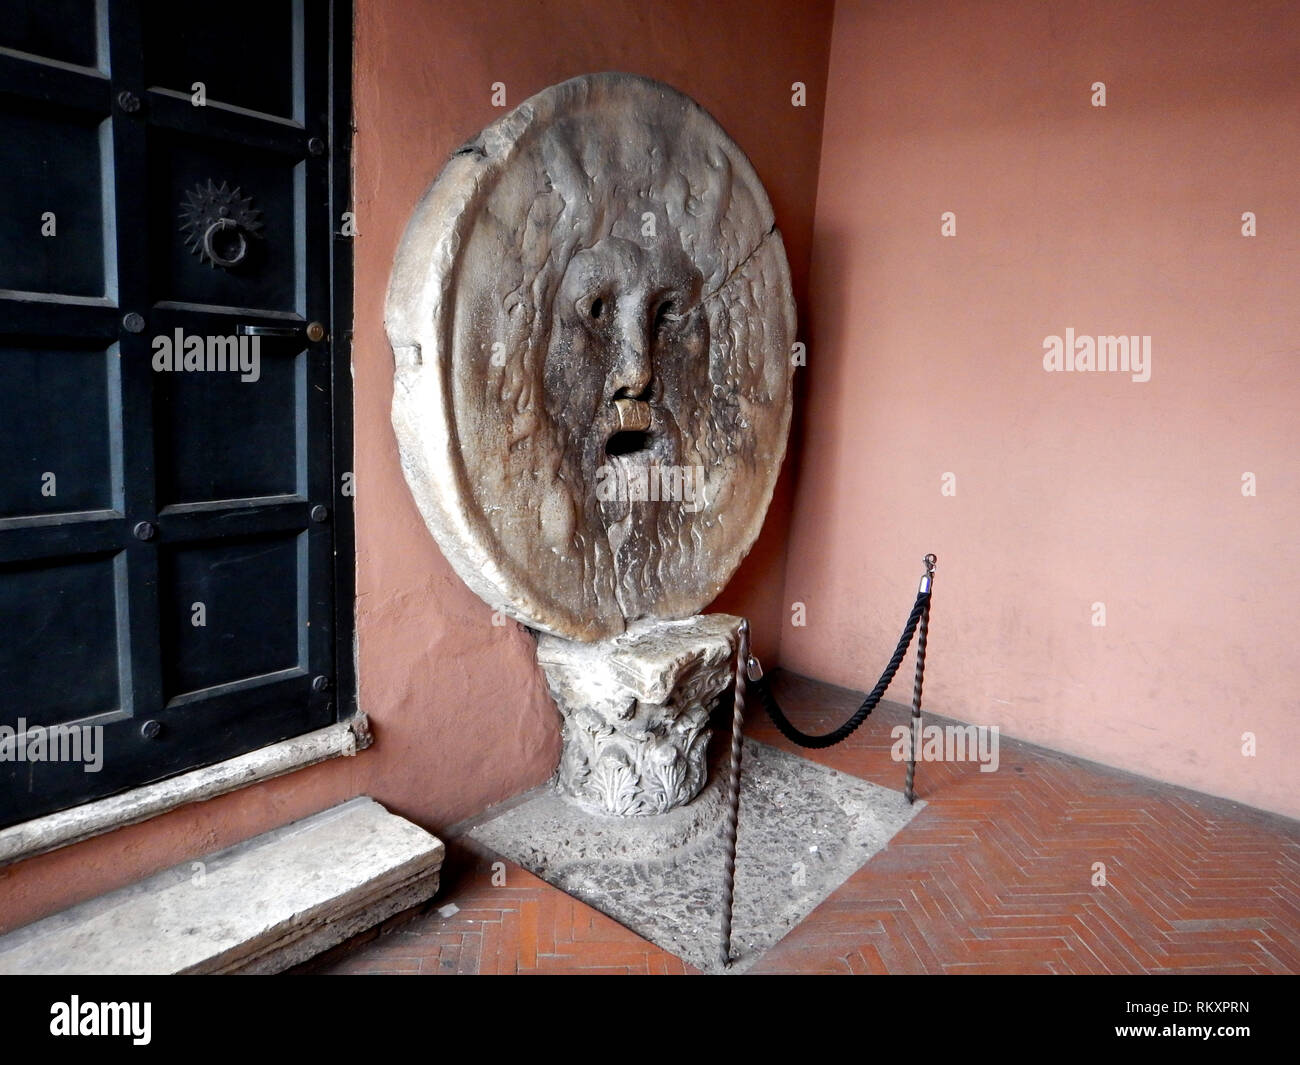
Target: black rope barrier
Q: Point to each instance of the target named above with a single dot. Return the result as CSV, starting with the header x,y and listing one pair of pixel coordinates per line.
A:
x,y
758,683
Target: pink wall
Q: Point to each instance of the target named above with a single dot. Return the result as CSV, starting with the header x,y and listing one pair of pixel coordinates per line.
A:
x,y
926,358
460,716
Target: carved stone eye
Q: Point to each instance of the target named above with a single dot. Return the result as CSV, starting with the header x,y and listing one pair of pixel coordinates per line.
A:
x,y
665,314
597,307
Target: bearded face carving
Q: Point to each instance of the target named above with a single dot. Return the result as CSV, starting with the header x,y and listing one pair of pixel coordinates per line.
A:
x,y
592,322
626,366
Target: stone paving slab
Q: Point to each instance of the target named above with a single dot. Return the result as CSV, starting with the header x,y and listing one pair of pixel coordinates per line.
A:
x,y
804,830
258,907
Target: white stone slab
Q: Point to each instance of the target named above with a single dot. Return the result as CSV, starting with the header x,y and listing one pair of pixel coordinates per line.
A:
x,y
59,829
261,906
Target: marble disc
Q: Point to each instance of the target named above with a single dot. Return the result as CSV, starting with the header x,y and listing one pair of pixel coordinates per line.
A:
x,y
592,324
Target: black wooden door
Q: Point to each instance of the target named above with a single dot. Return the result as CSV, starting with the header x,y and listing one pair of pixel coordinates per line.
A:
x,y
167,525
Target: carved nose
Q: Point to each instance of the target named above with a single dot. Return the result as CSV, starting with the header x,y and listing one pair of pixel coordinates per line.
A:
x,y
633,371
631,378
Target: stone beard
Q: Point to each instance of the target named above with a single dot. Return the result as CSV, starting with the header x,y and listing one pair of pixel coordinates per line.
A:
x,y
632,356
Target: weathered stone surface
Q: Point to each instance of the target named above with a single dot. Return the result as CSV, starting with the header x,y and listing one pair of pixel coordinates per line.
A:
x,y
76,823
636,708
591,300
258,907
804,829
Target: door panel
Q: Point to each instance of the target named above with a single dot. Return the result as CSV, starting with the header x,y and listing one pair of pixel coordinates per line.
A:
x,y
255,65
57,449
59,658
250,627
67,30
132,489
52,225
223,438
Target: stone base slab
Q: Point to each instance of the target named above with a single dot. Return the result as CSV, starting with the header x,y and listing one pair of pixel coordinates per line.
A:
x,y
261,906
804,829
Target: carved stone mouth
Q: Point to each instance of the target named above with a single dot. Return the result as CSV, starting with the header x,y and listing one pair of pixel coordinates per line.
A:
x,y
632,434
628,442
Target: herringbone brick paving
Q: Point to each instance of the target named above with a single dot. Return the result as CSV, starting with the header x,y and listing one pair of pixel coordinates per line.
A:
x,y
995,875
506,921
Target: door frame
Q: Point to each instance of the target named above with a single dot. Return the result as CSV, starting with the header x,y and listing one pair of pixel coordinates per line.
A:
x,y
341,293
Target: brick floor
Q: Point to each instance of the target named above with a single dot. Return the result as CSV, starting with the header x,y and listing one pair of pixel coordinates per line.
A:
x,y
995,875
506,921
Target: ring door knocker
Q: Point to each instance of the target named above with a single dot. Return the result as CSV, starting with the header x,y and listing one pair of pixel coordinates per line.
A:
x,y
217,221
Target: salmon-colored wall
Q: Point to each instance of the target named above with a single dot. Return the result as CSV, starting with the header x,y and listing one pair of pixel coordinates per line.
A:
x,y
460,716
926,354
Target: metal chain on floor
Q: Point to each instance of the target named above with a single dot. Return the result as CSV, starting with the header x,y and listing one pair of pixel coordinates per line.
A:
x,y
749,670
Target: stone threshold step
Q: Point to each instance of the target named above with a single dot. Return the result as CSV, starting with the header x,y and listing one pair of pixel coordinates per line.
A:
x,y
261,906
